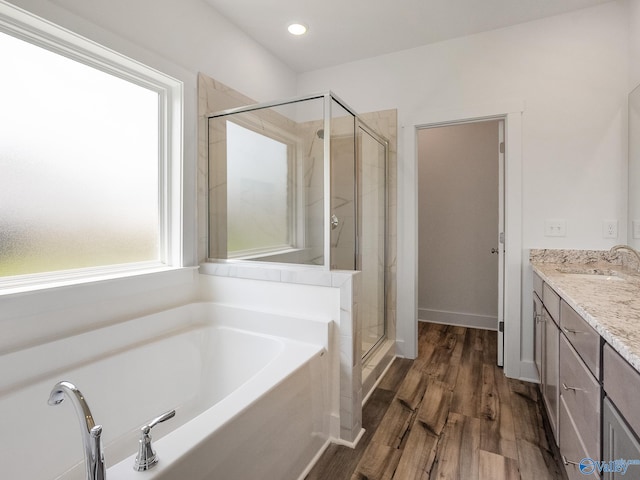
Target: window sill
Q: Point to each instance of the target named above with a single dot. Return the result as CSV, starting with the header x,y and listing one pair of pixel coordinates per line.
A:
x,y
157,274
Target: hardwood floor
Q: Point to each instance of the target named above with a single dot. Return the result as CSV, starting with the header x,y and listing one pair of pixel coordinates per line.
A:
x,y
449,414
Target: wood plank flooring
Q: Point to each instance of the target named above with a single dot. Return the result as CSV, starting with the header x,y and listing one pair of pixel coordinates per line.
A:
x,y
449,414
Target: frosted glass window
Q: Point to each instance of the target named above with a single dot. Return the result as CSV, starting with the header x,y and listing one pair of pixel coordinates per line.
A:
x,y
258,193
79,164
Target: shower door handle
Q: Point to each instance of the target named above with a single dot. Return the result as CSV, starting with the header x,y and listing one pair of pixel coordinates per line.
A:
x,y
334,222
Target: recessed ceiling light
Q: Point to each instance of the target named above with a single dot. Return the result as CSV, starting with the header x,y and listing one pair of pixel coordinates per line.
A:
x,y
297,29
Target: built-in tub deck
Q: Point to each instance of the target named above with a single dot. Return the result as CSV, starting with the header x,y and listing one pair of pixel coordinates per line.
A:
x,y
234,386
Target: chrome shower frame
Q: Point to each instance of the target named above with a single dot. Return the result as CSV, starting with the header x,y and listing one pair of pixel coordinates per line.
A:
x,y
327,98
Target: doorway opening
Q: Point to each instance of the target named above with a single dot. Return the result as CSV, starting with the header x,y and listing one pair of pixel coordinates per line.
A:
x,y
461,225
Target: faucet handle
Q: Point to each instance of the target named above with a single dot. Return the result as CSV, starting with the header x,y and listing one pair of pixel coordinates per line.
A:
x,y
165,416
147,457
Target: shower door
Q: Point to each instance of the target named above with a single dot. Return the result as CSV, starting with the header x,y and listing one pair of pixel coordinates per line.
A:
x,y
372,235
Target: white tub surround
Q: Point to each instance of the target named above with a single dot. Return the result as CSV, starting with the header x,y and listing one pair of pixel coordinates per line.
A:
x,y
236,378
612,308
303,291
39,316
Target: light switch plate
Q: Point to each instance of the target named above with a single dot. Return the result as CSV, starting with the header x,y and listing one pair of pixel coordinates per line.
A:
x,y
635,224
555,228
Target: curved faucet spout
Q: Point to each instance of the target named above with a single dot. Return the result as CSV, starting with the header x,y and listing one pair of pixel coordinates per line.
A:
x,y
91,433
629,249
68,389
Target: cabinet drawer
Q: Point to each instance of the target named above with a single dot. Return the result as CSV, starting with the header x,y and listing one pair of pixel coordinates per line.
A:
x,y
622,384
551,302
537,285
584,339
572,449
581,394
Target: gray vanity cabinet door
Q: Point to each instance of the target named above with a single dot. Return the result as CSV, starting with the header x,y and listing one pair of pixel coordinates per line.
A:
x,y
581,393
538,325
551,393
622,384
551,302
572,450
618,442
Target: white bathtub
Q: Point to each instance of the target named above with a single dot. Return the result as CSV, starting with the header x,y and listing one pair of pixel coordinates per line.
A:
x,y
249,390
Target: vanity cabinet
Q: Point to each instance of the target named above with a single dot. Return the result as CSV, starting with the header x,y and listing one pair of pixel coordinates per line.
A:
x,y
547,336
580,391
595,419
621,414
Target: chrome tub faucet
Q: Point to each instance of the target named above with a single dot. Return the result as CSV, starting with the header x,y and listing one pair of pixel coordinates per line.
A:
x,y
91,433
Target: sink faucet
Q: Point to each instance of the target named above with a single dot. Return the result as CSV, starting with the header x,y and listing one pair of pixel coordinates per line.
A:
x,y
629,249
91,433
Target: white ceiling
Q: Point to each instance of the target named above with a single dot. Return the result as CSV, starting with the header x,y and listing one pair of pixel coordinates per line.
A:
x,y
346,30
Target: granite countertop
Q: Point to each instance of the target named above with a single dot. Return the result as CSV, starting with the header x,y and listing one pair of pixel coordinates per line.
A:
x,y
608,301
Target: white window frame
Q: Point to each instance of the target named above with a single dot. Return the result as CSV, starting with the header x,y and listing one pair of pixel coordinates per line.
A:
x,y
30,28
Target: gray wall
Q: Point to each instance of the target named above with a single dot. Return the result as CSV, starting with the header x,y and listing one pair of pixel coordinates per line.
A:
x,y
458,224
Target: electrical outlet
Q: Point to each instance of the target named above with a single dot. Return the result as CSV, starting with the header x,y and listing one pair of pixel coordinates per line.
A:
x,y
635,224
555,228
610,229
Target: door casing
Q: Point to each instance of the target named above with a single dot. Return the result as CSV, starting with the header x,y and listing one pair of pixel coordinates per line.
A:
x,y
407,324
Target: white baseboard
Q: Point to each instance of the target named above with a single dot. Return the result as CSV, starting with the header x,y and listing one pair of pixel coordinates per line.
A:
x,y
354,444
314,460
459,319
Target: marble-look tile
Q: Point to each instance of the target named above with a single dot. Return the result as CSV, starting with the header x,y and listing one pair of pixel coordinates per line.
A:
x,y
346,421
258,273
346,434
345,405
319,277
346,378
356,420
346,296
612,308
348,354
341,277
347,324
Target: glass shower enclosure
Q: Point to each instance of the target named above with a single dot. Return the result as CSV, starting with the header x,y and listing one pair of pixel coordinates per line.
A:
x,y
302,181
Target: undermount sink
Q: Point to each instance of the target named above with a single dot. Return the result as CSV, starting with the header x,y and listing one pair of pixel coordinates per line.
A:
x,y
601,274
